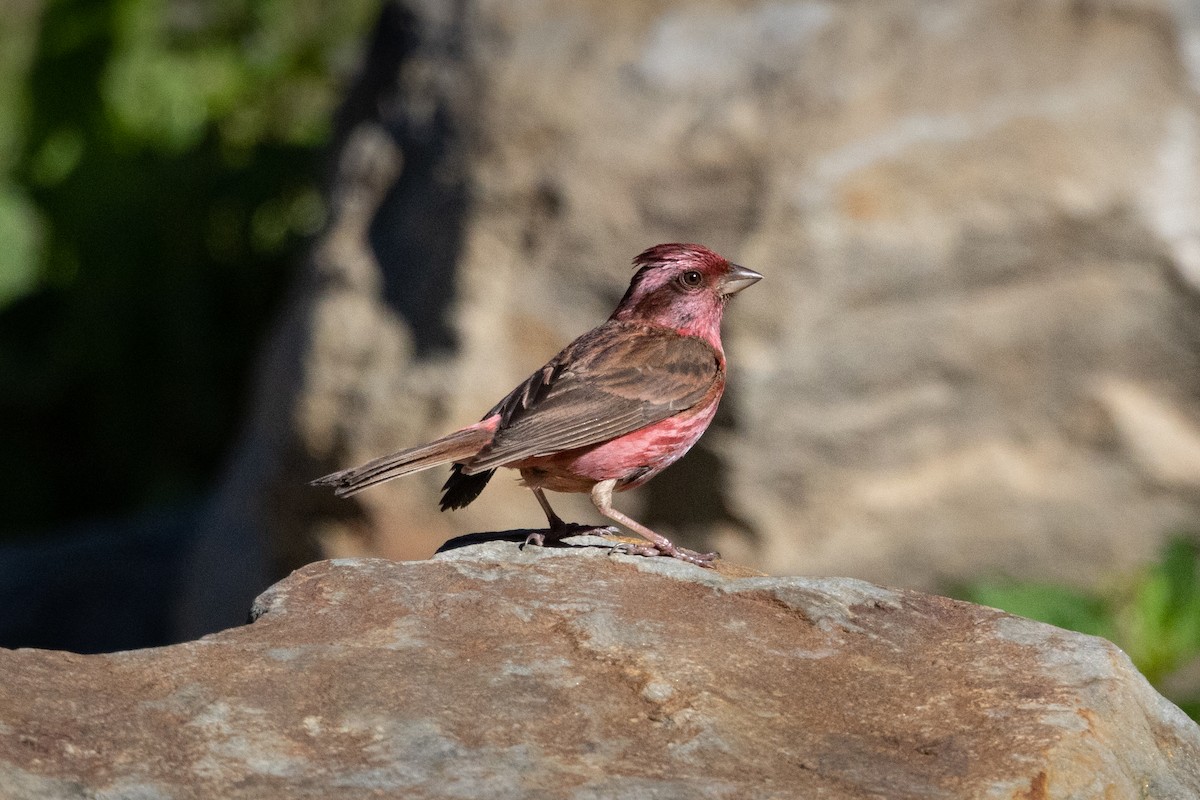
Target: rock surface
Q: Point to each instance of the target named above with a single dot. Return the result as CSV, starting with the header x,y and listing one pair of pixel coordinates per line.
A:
x,y
979,221
490,672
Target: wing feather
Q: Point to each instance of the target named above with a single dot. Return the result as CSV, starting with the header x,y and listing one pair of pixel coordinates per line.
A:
x,y
609,382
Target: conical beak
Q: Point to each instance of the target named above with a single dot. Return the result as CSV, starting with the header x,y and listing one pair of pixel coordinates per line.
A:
x,y
738,278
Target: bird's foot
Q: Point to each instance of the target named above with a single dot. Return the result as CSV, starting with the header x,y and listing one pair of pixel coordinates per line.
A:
x,y
551,536
665,548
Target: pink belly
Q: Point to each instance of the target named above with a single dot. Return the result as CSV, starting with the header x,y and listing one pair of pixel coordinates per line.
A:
x,y
631,459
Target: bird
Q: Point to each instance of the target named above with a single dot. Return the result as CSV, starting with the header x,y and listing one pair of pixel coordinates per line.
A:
x,y
613,409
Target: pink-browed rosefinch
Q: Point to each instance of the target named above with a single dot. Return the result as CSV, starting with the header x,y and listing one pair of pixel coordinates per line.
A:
x,y
612,410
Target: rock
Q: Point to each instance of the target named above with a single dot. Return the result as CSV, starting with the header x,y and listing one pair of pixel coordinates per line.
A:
x,y
975,346
493,672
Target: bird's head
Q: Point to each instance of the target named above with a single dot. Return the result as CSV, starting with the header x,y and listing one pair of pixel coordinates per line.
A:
x,y
683,287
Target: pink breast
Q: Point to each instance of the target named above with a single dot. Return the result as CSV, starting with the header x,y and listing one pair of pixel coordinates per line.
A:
x,y
637,456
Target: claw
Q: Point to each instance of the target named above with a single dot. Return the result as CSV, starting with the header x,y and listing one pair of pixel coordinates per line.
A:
x,y
633,549
560,532
692,557
664,548
537,537
669,551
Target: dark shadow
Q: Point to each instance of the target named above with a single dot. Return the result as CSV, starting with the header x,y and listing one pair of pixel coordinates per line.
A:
x,y
416,235
98,587
517,535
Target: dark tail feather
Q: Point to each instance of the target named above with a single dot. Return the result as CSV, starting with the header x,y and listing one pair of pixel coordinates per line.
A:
x,y
460,488
457,446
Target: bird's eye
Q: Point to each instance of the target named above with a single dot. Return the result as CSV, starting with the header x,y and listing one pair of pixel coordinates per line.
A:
x,y
691,279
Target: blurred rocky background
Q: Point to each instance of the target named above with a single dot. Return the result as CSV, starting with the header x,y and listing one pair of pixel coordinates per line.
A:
x,y
973,365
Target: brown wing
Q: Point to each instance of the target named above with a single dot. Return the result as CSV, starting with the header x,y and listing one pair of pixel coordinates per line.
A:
x,y
608,382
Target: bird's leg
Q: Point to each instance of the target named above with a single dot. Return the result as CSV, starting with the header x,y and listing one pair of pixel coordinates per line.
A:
x,y
554,519
558,529
660,545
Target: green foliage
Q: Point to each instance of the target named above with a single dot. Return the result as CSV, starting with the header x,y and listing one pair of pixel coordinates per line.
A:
x,y
1159,623
158,177
20,231
1057,605
1154,616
